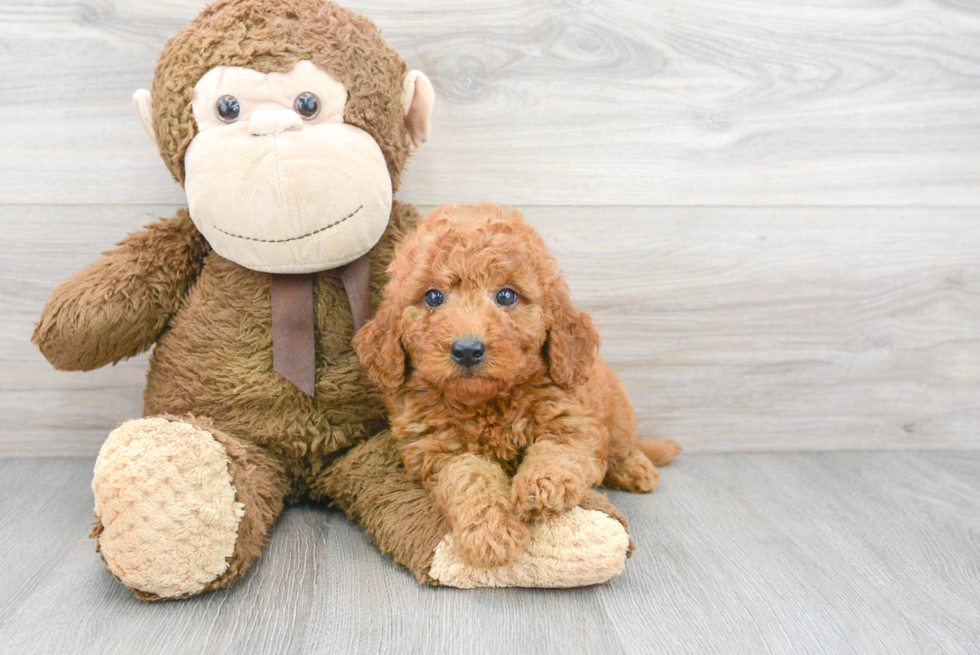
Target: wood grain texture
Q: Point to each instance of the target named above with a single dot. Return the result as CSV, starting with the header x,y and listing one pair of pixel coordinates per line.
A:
x,y
779,327
544,102
764,553
734,329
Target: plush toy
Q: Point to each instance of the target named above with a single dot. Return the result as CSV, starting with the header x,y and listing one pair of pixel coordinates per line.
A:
x,y
288,123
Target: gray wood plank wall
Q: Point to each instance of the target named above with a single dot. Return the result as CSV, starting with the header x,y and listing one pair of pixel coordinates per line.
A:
x,y
771,209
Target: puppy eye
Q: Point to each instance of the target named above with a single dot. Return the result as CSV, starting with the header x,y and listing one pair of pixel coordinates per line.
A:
x,y
506,297
433,298
307,105
228,109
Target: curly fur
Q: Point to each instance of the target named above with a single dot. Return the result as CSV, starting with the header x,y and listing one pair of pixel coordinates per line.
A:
x,y
529,430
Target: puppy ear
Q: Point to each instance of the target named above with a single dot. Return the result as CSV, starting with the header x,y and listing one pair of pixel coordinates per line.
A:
x,y
573,342
379,347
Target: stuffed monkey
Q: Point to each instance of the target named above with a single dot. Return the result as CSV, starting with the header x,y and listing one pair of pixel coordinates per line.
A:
x,y
288,123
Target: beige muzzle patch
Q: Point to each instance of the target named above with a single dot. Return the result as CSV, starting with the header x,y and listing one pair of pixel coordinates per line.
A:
x,y
268,122
581,547
280,192
291,201
165,497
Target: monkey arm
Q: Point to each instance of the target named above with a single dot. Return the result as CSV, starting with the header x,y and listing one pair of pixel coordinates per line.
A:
x,y
566,459
117,306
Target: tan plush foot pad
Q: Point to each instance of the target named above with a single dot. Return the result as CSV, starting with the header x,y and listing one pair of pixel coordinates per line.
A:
x,y
579,548
165,498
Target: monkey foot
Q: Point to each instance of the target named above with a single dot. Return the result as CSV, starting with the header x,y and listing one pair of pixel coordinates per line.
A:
x,y
166,509
581,547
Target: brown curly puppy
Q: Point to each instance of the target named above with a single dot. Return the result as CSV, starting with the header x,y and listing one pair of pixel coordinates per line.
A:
x,y
498,399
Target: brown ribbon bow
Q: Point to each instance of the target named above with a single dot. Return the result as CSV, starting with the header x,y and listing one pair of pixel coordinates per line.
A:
x,y
293,341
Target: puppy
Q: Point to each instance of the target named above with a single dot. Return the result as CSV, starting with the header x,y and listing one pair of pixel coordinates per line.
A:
x,y
497,397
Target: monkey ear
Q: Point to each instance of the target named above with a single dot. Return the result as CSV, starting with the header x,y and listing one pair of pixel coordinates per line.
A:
x,y
379,347
417,99
143,103
573,342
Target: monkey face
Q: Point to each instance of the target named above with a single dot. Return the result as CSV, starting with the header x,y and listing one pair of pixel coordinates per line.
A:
x,y
288,123
275,180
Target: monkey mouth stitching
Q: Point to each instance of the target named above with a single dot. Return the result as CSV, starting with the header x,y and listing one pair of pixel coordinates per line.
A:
x,y
308,234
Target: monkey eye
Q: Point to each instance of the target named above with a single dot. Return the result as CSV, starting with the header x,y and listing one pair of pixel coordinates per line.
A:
x,y
506,297
228,109
307,105
433,298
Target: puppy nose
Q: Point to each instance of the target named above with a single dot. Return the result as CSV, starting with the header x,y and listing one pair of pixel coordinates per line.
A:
x,y
273,121
468,351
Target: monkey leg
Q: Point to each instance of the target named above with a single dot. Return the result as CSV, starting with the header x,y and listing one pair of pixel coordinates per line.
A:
x,y
370,483
584,546
180,507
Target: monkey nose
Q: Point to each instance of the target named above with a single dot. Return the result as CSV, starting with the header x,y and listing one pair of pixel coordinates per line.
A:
x,y
273,121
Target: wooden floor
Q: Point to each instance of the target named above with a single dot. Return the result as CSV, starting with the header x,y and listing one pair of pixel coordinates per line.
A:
x,y
751,553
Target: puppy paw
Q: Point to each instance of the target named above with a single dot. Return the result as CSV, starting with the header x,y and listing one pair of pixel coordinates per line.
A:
x,y
537,495
494,540
635,474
